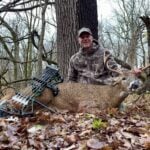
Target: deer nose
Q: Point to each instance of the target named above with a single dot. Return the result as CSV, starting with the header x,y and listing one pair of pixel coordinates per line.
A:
x,y
134,85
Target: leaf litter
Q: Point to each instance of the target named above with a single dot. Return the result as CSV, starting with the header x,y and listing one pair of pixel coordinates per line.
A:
x,y
109,129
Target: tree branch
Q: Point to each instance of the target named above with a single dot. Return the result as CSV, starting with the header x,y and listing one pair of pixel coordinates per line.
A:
x,y
10,7
16,61
16,81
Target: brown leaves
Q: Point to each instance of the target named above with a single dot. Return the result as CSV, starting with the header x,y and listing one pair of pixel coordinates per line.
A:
x,y
95,144
68,131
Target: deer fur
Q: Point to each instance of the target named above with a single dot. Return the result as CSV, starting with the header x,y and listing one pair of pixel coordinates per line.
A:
x,y
78,97
7,94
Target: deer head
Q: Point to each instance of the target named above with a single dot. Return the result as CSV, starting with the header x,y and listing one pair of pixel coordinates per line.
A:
x,y
128,79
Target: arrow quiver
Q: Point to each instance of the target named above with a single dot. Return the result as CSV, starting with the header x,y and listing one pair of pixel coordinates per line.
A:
x,y
48,79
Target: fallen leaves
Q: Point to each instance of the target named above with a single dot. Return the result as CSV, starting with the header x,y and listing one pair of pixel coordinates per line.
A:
x,y
68,131
95,144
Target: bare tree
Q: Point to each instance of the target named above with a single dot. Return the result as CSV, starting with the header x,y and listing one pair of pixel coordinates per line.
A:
x,y
16,38
40,46
123,34
14,53
16,5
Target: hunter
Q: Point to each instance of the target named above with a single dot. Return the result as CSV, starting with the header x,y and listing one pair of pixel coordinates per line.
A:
x,y
87,65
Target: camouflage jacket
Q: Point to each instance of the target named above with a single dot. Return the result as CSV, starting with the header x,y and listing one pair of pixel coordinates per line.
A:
x,y
88,67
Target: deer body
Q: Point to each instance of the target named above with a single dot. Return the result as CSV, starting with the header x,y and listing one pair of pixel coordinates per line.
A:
x,y
77,97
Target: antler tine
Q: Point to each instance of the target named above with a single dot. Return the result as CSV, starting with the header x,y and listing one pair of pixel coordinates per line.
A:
x,y
106,57
144,68
114,70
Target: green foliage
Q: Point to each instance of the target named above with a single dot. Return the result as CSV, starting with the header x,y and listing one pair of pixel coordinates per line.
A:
x,y
98,124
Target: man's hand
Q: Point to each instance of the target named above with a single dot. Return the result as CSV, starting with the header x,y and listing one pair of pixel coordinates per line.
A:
x,y
137,71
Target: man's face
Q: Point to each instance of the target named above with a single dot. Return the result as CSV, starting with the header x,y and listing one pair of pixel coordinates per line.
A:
x,y
85,40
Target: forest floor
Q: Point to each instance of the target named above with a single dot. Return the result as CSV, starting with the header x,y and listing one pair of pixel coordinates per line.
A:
x,y
107,130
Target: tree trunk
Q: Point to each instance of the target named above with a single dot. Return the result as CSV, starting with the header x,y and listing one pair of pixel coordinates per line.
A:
x,y
66,33
87,15
132,48
146,20
40,45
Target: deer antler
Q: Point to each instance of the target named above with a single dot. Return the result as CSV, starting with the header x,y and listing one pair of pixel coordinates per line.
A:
x,y
106,58
144,68
113,70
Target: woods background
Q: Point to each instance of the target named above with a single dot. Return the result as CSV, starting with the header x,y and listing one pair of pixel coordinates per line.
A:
x,y
35,33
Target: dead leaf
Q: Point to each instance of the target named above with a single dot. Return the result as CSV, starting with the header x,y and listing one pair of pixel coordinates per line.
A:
x,y
70,147
58,119
71,139
95,144
147,145
85,133
35,128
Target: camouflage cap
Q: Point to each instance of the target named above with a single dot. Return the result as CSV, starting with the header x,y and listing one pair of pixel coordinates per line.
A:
x,y
84,29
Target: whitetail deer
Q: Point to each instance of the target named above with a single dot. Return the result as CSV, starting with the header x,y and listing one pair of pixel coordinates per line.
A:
x,y
77,97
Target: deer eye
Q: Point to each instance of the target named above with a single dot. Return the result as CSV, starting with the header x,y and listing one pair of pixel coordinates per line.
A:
x,y
124,78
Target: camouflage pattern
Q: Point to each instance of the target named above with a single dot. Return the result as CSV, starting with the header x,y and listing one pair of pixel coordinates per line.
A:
x,y
88,66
